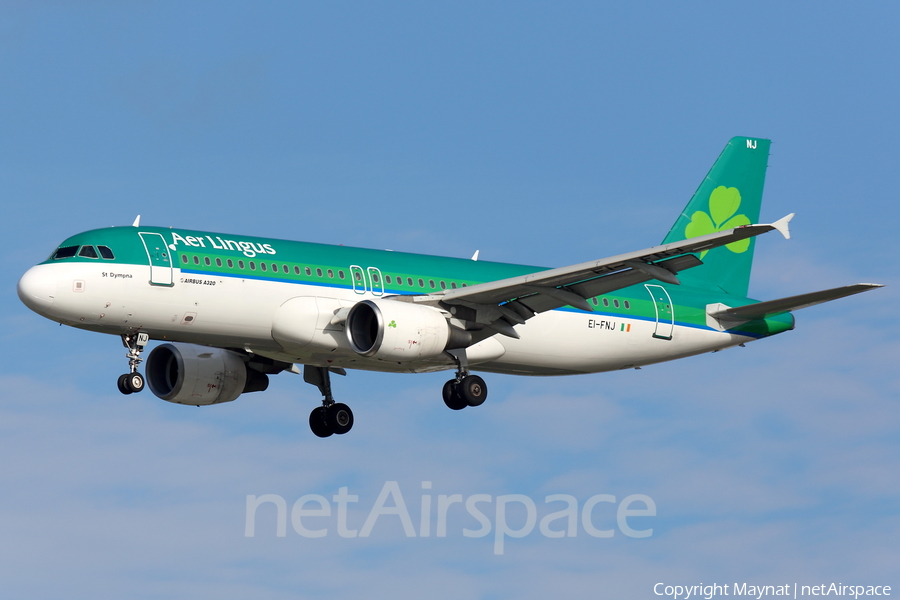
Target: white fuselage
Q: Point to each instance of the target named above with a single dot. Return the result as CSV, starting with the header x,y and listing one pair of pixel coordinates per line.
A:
x,y
236,312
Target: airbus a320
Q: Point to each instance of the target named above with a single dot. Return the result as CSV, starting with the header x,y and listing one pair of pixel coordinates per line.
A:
x,y
232,310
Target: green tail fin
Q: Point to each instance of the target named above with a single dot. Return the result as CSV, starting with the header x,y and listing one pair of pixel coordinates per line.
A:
x,y
730,196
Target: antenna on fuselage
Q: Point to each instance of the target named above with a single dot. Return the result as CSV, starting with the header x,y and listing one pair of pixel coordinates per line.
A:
x,y
137,221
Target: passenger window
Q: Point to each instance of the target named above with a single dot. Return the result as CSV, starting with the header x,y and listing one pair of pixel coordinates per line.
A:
x,y
421,283
318,272
453,284
252,266
105,252
443,285
627,304
616,303
296,270
375,277
594,301
184,258
196,260
399,281
274,268
464,285
341,274
357,275
409,281
207,261
330,274
308,271
88,252
240,264
387,278
67,252
285,268
230,263
606,302
218,262
263,266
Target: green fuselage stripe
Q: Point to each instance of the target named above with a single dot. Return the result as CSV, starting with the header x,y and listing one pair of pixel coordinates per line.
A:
x,y
427,273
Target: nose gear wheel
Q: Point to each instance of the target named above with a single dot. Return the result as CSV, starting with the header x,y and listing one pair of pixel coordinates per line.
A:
x,y
133,382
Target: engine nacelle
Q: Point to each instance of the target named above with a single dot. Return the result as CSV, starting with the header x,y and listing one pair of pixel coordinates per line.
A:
x,y
198,375
401,331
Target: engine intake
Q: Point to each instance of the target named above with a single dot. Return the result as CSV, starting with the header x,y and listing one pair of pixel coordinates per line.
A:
x,y
401,331
197,375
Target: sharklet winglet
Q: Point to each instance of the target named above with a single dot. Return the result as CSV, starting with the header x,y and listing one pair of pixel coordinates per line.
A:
x,y
137,221
781,225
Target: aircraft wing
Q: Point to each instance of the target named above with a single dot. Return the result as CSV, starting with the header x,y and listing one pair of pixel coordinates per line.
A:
x,y
503,303
761,310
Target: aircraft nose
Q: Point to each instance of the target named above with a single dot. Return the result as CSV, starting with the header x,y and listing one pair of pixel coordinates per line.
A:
x,y
37,288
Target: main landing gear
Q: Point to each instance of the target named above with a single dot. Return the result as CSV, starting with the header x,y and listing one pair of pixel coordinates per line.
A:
x,y
133,382
466,389
332,417
337,418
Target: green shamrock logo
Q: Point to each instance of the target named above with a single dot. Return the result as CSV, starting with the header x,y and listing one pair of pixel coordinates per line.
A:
x,y
392,324
723,203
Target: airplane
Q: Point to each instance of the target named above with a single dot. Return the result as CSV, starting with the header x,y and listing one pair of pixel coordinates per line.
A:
x,y
231,310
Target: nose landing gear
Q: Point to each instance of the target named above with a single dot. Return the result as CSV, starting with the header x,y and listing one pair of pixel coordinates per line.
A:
x,y
332,417
133,381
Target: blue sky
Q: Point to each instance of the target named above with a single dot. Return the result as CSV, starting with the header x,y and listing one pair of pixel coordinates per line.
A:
x,y
539,133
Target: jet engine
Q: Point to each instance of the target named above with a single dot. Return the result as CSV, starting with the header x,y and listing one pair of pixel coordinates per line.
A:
x,y
401,331
198,375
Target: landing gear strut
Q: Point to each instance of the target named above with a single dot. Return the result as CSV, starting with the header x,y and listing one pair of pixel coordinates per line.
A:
x,y
466,389
332,417
133,381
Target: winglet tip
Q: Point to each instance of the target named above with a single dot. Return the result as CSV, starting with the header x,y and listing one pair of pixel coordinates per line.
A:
x,y
781,225
137,221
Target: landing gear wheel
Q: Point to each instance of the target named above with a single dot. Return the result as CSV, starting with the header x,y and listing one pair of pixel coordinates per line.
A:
x,y
332,417
317,422
339,418
122,384
473,390
451,396
134,382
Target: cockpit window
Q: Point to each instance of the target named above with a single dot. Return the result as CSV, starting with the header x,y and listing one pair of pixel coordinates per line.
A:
x,y
65,252
88,252
105,252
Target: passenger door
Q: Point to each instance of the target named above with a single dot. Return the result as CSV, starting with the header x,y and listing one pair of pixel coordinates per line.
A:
x,y
160,258
665,312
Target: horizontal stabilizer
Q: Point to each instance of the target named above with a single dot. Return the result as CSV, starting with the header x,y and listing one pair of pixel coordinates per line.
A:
x,y
761,310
